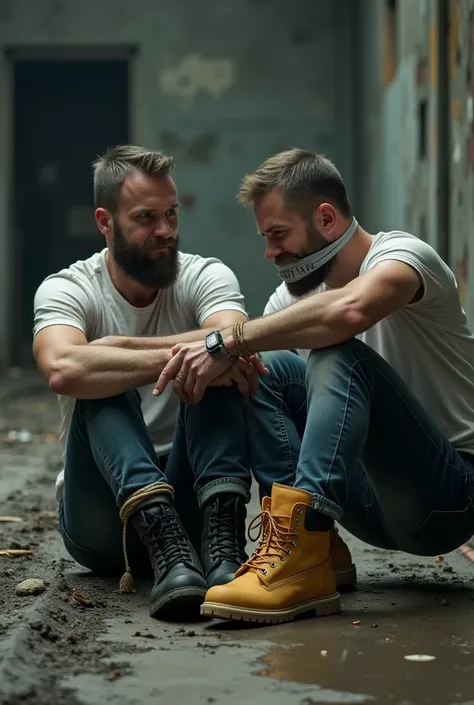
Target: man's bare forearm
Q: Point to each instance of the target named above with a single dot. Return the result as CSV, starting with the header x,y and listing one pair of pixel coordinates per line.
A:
x,y
321,320
153,342
97,371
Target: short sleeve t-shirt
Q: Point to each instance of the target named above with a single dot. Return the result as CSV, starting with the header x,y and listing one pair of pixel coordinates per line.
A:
x,y
84,296
429,343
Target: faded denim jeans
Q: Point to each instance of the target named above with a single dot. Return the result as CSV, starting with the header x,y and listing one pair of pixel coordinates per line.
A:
x,y
110,455
346,428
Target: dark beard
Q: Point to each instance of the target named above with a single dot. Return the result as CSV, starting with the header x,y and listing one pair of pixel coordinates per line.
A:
x,y
311,281
134,261
314,279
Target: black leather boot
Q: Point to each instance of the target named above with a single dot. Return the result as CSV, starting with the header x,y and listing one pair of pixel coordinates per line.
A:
x,y
179,585
223,539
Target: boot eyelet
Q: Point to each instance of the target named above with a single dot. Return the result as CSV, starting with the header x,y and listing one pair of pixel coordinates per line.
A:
x,y
289,553
293,543
282,558
299,511
273,565
264,571
297,533
297,522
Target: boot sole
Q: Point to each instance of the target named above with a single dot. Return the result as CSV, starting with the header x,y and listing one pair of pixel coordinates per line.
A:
x,y
346,577
182,602
322,607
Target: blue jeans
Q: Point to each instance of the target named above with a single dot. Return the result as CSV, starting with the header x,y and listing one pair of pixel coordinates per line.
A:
x,y
346,428
110,455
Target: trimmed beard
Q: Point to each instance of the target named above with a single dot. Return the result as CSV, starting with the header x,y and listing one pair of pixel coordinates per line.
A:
x,y
314,279
135,263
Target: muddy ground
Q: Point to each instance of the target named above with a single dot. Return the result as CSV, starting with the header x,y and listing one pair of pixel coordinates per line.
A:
x,y
80,641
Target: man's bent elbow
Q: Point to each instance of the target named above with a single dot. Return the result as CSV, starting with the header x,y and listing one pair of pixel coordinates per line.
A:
x,y
63,377
349,318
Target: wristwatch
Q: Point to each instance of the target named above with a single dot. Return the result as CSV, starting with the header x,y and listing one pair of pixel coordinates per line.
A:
x,y
215,346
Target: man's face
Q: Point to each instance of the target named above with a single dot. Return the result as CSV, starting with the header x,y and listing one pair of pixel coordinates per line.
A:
x,y
289,238
144,241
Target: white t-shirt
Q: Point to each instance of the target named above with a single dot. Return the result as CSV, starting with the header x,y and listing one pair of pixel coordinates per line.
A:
x,y
84,296
429,343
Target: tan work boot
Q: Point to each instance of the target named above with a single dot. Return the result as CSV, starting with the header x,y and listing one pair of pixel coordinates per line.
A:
x,y
290,571
344,569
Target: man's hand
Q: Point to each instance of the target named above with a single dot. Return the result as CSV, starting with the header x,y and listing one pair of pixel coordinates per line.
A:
x,y
193,370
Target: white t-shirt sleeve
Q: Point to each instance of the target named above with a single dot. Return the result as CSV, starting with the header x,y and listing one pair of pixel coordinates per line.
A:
x,y
272,305
279,300
213,287
437,278
61,301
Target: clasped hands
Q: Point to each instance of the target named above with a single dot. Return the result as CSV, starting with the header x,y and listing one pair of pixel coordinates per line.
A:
x,y
193,369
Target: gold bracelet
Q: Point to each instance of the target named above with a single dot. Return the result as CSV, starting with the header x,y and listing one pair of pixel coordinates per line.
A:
x,y
239,340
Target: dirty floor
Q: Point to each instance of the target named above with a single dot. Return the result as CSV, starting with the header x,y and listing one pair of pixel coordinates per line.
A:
x,y
406,636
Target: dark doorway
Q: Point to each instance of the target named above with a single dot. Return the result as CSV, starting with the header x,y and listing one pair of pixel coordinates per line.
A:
x,y
65,113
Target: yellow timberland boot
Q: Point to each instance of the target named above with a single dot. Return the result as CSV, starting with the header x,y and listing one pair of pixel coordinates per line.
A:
x,y
341,560
290,571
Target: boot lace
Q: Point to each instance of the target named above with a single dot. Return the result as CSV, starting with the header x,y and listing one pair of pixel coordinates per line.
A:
x,y
276,540
223,535
167,542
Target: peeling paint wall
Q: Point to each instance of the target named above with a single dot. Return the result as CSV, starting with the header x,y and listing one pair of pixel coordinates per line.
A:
x,y
413,177
219,85
461,73
398,116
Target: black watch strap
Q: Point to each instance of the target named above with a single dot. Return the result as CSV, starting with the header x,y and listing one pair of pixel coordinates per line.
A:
x,y
215,345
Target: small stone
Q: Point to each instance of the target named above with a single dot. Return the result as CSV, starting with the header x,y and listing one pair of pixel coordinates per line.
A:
x,y
356,622
445,603
324,653
31,586
375,626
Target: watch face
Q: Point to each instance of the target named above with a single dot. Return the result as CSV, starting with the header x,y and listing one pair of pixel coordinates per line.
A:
x,y
212,340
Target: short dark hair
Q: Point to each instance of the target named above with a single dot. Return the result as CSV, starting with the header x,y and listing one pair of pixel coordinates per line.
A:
x,y
111,168
304,178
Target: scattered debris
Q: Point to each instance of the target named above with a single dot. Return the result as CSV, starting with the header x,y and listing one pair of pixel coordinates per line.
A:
x,y
8,520
324,653
22,436
49,437
31,586
375,625
113,675
145,636
419,657
439,559
14,552
445,603
80,599
356,622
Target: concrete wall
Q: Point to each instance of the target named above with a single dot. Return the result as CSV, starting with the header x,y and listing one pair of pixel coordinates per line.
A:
x,y
428,191
221,85
397,163
461,110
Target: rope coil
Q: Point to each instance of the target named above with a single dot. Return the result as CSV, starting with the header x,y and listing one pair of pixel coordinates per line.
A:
x,y
130,506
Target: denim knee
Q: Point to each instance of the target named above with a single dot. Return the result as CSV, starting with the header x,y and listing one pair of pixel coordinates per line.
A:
x,y
96,544
284,366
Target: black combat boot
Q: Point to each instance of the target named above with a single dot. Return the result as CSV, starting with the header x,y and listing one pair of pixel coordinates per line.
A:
x,y
179,585
223,538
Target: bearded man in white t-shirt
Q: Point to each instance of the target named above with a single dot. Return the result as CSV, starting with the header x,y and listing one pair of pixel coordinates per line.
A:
x,y
376,409
103,331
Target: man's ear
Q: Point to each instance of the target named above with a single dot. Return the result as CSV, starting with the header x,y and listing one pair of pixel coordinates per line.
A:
x,y
104,221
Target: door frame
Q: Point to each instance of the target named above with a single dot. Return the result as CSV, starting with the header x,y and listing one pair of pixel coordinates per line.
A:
x,y
12,351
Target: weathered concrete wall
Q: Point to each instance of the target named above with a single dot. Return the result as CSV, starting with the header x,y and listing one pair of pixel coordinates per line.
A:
x,y
461,77
416,124
219,85
397,161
